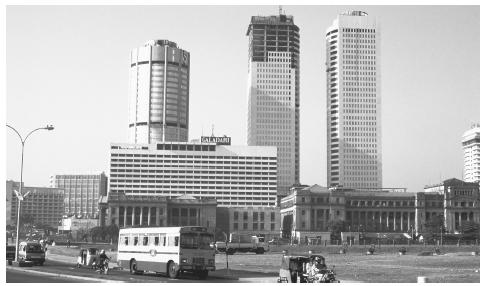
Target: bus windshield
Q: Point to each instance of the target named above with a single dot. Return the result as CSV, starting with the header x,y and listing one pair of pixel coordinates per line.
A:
x,y
195,241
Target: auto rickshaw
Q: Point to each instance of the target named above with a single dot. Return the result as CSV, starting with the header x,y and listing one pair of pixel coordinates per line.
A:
x,y
87,257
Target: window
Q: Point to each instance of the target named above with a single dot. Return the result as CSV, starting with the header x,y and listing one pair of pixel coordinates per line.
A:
x,y
303,199
236,215
145,240
246,216
157,240
273,216
303,224
163,239
303,212
126,240
254,226
135,240
236,226
273,226
255,216
245,226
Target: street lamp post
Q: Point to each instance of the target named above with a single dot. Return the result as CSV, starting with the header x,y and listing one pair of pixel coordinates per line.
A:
x,y
20,196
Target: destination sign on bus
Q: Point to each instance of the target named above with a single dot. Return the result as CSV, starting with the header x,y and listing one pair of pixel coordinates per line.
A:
x,y
219,140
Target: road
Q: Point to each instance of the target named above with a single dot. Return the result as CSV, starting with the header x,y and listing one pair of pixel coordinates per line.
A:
x,y
56,267
14,276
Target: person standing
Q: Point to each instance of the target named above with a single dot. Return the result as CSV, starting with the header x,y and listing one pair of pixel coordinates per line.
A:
x,y
68,243
284,271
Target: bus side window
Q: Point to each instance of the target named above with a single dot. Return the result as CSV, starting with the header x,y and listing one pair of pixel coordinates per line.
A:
x,y
135,240
145,240
163,239
126,240
176,240
157,240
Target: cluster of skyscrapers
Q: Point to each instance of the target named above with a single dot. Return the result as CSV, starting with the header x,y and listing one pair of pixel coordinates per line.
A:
x,y
160,178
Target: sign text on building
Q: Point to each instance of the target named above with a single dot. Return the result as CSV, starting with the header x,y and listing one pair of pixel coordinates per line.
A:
x,y
219,140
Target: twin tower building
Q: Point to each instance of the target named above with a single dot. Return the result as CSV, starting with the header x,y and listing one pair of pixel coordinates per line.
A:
x,y
160,94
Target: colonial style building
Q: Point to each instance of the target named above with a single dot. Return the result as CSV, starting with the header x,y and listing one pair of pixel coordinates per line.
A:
x,y
264,221
131,210
309,211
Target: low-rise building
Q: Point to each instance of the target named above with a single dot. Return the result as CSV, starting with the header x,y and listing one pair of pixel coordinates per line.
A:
x,y
44,205
81,193
261,221
308,211
130,210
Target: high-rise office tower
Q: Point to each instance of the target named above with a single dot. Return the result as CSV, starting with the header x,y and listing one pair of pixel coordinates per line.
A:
x,y
354,147
159,93
471,143
273,92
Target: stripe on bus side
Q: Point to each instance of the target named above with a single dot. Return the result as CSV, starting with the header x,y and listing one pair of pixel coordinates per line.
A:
x,y
158,252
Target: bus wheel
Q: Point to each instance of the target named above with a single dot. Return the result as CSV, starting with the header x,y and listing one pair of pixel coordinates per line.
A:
x,y
132,267
172,271
202,274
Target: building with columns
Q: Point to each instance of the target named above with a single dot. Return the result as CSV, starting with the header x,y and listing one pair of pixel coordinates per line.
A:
x,y
309,210
460,201
129,211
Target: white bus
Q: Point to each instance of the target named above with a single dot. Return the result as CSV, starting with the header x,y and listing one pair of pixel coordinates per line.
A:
x,y
168,250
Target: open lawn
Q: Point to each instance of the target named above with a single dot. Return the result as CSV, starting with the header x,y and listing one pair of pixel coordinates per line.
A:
x,y
456,265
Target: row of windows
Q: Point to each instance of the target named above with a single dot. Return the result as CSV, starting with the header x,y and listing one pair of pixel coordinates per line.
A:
x,y
137,188
190,156
149,239
255,226
193,162
255,216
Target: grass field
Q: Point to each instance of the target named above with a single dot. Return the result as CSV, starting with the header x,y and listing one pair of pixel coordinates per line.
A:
x,y
456,265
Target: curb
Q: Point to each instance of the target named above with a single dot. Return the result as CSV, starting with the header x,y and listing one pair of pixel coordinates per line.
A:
x,y
65,275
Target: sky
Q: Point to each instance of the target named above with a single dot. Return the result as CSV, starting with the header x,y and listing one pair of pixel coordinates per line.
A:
x,y
69,66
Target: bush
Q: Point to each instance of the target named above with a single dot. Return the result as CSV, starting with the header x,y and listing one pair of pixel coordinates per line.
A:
x,y
402,250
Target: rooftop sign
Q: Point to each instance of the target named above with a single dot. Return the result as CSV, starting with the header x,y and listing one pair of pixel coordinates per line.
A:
x,y
219,140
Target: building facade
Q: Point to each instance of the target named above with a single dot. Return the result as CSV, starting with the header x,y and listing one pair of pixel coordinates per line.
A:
x,y
471,143
310,210
232,175
459,200
44,205
354,151
159,93
262,221
81,193
273,92
147,210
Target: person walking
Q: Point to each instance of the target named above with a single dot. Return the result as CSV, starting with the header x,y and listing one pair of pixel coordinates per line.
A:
x,y
284,271
68,243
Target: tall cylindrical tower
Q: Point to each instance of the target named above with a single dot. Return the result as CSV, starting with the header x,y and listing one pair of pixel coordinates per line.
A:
x,y
159,93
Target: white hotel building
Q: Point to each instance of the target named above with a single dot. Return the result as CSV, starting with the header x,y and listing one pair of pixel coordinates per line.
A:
x,y
471,143
354,147
236,176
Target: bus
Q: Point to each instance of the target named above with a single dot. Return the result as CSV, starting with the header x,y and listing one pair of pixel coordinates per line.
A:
x,y
168,250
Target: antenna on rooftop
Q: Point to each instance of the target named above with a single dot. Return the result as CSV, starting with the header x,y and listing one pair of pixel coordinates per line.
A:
x,y
280,9
212,130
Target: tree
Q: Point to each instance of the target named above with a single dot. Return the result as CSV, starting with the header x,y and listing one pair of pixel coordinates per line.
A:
x,y
435,225
112,232
336,227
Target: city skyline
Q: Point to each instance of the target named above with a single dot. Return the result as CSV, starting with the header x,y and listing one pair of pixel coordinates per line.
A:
x,y
450,67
